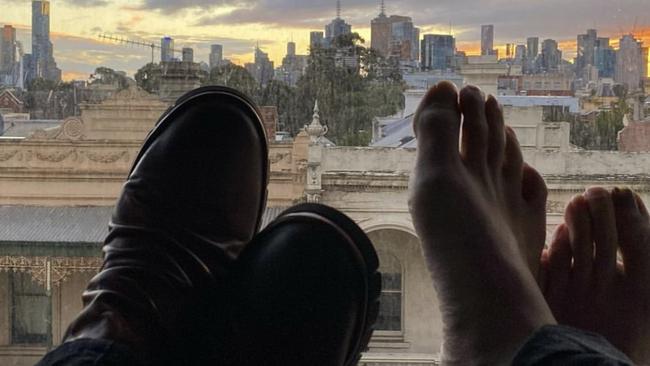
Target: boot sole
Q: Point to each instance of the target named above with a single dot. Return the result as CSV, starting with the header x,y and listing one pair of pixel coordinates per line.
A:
x,y
367,253
219,91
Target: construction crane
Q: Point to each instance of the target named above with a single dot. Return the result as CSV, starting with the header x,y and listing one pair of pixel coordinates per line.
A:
x,y
121,40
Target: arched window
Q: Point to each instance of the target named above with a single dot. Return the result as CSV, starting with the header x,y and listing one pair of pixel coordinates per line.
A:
x,y
390,308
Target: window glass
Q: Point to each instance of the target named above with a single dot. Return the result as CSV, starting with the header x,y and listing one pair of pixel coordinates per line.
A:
x,y
390,306
30,309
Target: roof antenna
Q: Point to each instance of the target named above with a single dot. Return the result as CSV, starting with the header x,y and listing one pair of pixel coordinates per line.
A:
x,y
338,9
383,8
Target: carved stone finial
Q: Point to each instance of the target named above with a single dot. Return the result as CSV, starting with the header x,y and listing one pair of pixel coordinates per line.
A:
x,y
315,129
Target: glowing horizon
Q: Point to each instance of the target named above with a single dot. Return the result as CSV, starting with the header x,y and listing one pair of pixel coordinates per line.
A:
x,y
199,23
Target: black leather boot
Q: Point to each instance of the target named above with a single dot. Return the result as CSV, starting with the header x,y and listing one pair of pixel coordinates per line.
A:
x,y
305,292
195,195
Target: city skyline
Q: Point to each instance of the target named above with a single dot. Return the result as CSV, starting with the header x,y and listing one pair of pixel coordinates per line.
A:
x,y
75,26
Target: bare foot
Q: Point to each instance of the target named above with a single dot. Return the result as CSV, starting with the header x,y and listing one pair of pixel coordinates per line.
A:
x,y
480,215
586,287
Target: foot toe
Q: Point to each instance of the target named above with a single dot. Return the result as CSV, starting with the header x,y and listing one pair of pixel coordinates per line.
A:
x,y
578,223
437,124
513,162
474,145
633,231
558,269
496,134
604,232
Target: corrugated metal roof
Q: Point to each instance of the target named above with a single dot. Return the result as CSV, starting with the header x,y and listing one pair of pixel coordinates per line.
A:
x,y
33,224
398,134
54,224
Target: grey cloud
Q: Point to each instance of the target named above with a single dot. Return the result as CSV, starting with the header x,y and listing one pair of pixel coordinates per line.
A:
x,y
88,3
177,5
513,20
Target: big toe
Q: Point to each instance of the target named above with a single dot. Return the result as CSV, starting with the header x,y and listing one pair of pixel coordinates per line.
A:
x,y
633,233
437,124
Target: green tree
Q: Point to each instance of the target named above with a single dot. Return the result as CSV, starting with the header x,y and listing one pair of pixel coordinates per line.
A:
x,y
108,76
349,97
148,77
233,76
281,95
601,134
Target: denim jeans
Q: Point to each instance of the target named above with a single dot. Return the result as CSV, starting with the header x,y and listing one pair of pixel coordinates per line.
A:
x,y
550,345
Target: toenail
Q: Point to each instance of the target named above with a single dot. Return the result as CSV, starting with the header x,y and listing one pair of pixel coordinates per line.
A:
x,y
595,193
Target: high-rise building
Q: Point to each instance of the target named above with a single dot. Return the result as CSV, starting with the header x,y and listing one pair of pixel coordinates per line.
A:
x,y
261,68
630,59
216,55
8,49
586,50
291,48
293,66
551,56
166,49
42,49
487,40
28,69
381,32
604,58
532,47
316,39
395,36
438,52
188,54
405,39
520,54
337,27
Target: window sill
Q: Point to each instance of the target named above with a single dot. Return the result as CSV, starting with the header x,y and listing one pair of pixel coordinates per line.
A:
x,y
26,350
393,342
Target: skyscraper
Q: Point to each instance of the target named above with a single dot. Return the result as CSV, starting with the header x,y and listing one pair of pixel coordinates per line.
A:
x,y
7,49
291,49
630,60
166,49
586,50
604,58
487,40
293,66
438,52
395,36
262,68
42,49
315,39
551,56
520,54
381,32
216,55
405,39
188,54
532,48
337,27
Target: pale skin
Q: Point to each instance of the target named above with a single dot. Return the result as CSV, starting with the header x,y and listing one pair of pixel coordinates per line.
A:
x,y
480,214
479,211
586,286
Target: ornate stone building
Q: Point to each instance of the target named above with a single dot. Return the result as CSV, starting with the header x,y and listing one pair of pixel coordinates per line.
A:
x,y
58,185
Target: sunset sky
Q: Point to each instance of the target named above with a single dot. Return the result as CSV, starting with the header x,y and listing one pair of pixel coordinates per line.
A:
x,y
241,24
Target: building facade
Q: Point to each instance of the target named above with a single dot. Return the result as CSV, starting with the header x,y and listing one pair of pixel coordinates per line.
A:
x,y
166,49
487,40
42,49
216,55
59,184
631,63
438,52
